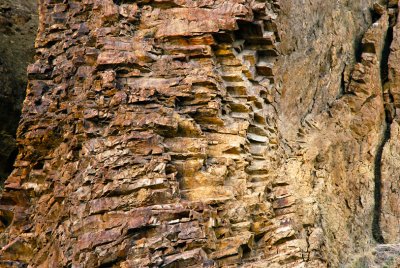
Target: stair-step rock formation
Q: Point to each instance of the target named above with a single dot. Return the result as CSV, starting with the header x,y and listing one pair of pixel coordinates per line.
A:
x,y
212,133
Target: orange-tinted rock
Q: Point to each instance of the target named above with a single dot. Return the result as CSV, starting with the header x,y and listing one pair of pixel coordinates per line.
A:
x,y
181,133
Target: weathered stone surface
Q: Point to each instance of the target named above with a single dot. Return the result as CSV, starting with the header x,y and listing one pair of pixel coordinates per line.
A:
x,y
390,184
180,133
381,256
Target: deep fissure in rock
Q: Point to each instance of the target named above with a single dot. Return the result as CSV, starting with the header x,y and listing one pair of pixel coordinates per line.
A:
x,y
18,25
376,230
384,68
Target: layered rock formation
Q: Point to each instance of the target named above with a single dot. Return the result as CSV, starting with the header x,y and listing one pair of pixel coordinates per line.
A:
x,y
182,133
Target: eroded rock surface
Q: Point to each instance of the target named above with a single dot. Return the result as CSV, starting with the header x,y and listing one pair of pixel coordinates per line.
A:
x,y
180,133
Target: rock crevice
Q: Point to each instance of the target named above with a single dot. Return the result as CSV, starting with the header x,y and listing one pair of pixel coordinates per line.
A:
x,y
389,116
18,26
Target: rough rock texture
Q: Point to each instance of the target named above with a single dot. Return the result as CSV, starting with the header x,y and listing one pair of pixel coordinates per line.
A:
x,y
183,133
381,256
390,215
18,26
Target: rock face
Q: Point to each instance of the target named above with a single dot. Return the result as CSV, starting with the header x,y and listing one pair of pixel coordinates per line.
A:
x,y
182,133
18,26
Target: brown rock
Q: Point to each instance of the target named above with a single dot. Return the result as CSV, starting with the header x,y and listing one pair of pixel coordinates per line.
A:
x,y
180,133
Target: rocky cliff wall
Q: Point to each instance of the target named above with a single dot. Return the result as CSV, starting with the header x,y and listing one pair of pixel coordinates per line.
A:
x,y
334,134
177,133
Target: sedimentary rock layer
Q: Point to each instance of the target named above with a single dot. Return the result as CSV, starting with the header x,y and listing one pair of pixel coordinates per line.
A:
x,y
180,133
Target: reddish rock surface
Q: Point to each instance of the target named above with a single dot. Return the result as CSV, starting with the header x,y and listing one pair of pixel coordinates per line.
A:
x,y
182,133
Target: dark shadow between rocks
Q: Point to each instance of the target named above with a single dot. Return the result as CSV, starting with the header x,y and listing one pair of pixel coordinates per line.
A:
x,y
18,26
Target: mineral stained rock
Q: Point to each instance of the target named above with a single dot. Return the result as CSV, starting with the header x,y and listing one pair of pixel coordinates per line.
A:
x,y
212,133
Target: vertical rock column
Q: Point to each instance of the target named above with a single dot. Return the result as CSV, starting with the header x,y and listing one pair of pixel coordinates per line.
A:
x,y
147,139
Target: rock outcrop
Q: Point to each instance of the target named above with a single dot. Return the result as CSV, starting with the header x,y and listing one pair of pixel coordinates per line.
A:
x,y
183,133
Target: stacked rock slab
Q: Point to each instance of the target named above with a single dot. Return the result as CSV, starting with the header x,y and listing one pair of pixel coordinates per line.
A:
x,y
148,139
154,135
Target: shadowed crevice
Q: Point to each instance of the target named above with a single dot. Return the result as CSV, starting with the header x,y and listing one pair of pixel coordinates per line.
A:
x,y
376,229
18,26
384,68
